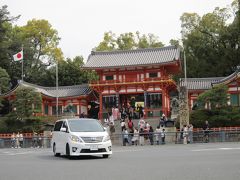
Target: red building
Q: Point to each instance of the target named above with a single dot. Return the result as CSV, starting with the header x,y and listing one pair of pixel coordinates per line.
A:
x,y
135,77
196,86
76,98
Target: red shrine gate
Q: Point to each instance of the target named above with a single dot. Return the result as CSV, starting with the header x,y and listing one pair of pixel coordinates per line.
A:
x,y
140,77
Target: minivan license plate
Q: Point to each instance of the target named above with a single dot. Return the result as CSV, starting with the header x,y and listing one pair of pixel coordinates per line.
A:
x,y
93,148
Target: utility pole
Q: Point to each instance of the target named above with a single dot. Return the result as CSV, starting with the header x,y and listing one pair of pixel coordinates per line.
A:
x,y
57,89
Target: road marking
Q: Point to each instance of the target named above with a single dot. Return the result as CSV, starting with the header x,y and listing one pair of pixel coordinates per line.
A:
x,y
129,150
9,153
215,149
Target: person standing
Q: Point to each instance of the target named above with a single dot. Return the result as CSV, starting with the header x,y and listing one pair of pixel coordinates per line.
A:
x,y
17,140
125,137
135,137
141,137
151,134
163,135
21,140
13,140
206,132
158,134
190,133
185,134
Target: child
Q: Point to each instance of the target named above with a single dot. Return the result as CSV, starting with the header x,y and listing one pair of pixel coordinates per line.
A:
x,y
163,134
125,137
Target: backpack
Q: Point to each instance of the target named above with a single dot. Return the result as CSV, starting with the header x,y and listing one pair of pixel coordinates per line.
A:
x,y
130,125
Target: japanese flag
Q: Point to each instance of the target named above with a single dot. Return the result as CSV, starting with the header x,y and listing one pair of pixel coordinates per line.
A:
x,y
18,56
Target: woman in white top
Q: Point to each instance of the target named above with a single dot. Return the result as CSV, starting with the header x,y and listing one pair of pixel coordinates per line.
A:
x,y
158,135
135,136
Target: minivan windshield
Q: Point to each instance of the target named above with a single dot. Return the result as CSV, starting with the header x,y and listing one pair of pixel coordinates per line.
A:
x,y
85,125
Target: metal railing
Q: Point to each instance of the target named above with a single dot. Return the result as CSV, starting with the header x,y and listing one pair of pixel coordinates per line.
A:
x,y
118,139
26,142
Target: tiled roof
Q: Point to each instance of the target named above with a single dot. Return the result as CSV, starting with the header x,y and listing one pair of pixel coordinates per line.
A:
x,y
229,78
63,91
200,83
108,59
207,83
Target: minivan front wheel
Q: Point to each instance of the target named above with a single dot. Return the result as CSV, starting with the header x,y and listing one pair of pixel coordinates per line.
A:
x,y
54,151
105,156
68,151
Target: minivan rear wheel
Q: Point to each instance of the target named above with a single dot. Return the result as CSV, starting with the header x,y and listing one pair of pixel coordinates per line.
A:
x,y
54,151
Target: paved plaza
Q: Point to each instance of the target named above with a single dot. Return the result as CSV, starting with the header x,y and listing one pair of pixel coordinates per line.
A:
x,y
212,161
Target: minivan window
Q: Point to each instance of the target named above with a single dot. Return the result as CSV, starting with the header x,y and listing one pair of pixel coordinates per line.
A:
x,y
58,126
85,126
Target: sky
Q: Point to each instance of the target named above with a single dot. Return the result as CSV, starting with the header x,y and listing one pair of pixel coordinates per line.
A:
x,y
82,23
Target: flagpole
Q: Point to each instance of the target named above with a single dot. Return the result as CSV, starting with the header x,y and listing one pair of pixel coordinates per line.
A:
x,y
22,64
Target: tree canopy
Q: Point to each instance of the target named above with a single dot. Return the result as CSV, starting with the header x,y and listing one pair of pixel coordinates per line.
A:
x,y
128,41
211,43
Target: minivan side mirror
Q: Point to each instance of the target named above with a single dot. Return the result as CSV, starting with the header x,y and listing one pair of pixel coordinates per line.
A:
x,y
63,129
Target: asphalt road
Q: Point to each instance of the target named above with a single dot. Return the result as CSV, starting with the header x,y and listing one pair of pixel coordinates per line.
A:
x,y
213,161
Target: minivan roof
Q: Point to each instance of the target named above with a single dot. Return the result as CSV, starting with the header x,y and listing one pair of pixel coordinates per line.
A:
x,y
90,119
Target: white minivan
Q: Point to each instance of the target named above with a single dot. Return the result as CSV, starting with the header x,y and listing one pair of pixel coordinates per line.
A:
x,y
82,136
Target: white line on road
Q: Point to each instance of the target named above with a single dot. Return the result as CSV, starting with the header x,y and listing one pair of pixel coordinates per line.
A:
x,y
215,149
130,150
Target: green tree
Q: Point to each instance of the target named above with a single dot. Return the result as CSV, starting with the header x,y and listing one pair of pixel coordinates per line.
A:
x,y
70,72
128,41
26,103
217,97
40,48
210,48
4,81
5,41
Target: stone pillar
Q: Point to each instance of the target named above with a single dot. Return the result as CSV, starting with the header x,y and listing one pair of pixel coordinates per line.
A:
x,y
183,106
100,106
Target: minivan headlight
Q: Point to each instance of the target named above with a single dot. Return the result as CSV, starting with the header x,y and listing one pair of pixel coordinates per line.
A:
x,y
106,138
75,138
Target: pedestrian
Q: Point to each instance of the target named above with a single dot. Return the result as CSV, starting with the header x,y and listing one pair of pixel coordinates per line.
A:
x,y
158,134
163,135
111,128
151,134
17,140
135,137
39,141
185,134
125,137
13,140
190,133
141,137
206,132
123,125
21,140
34,140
